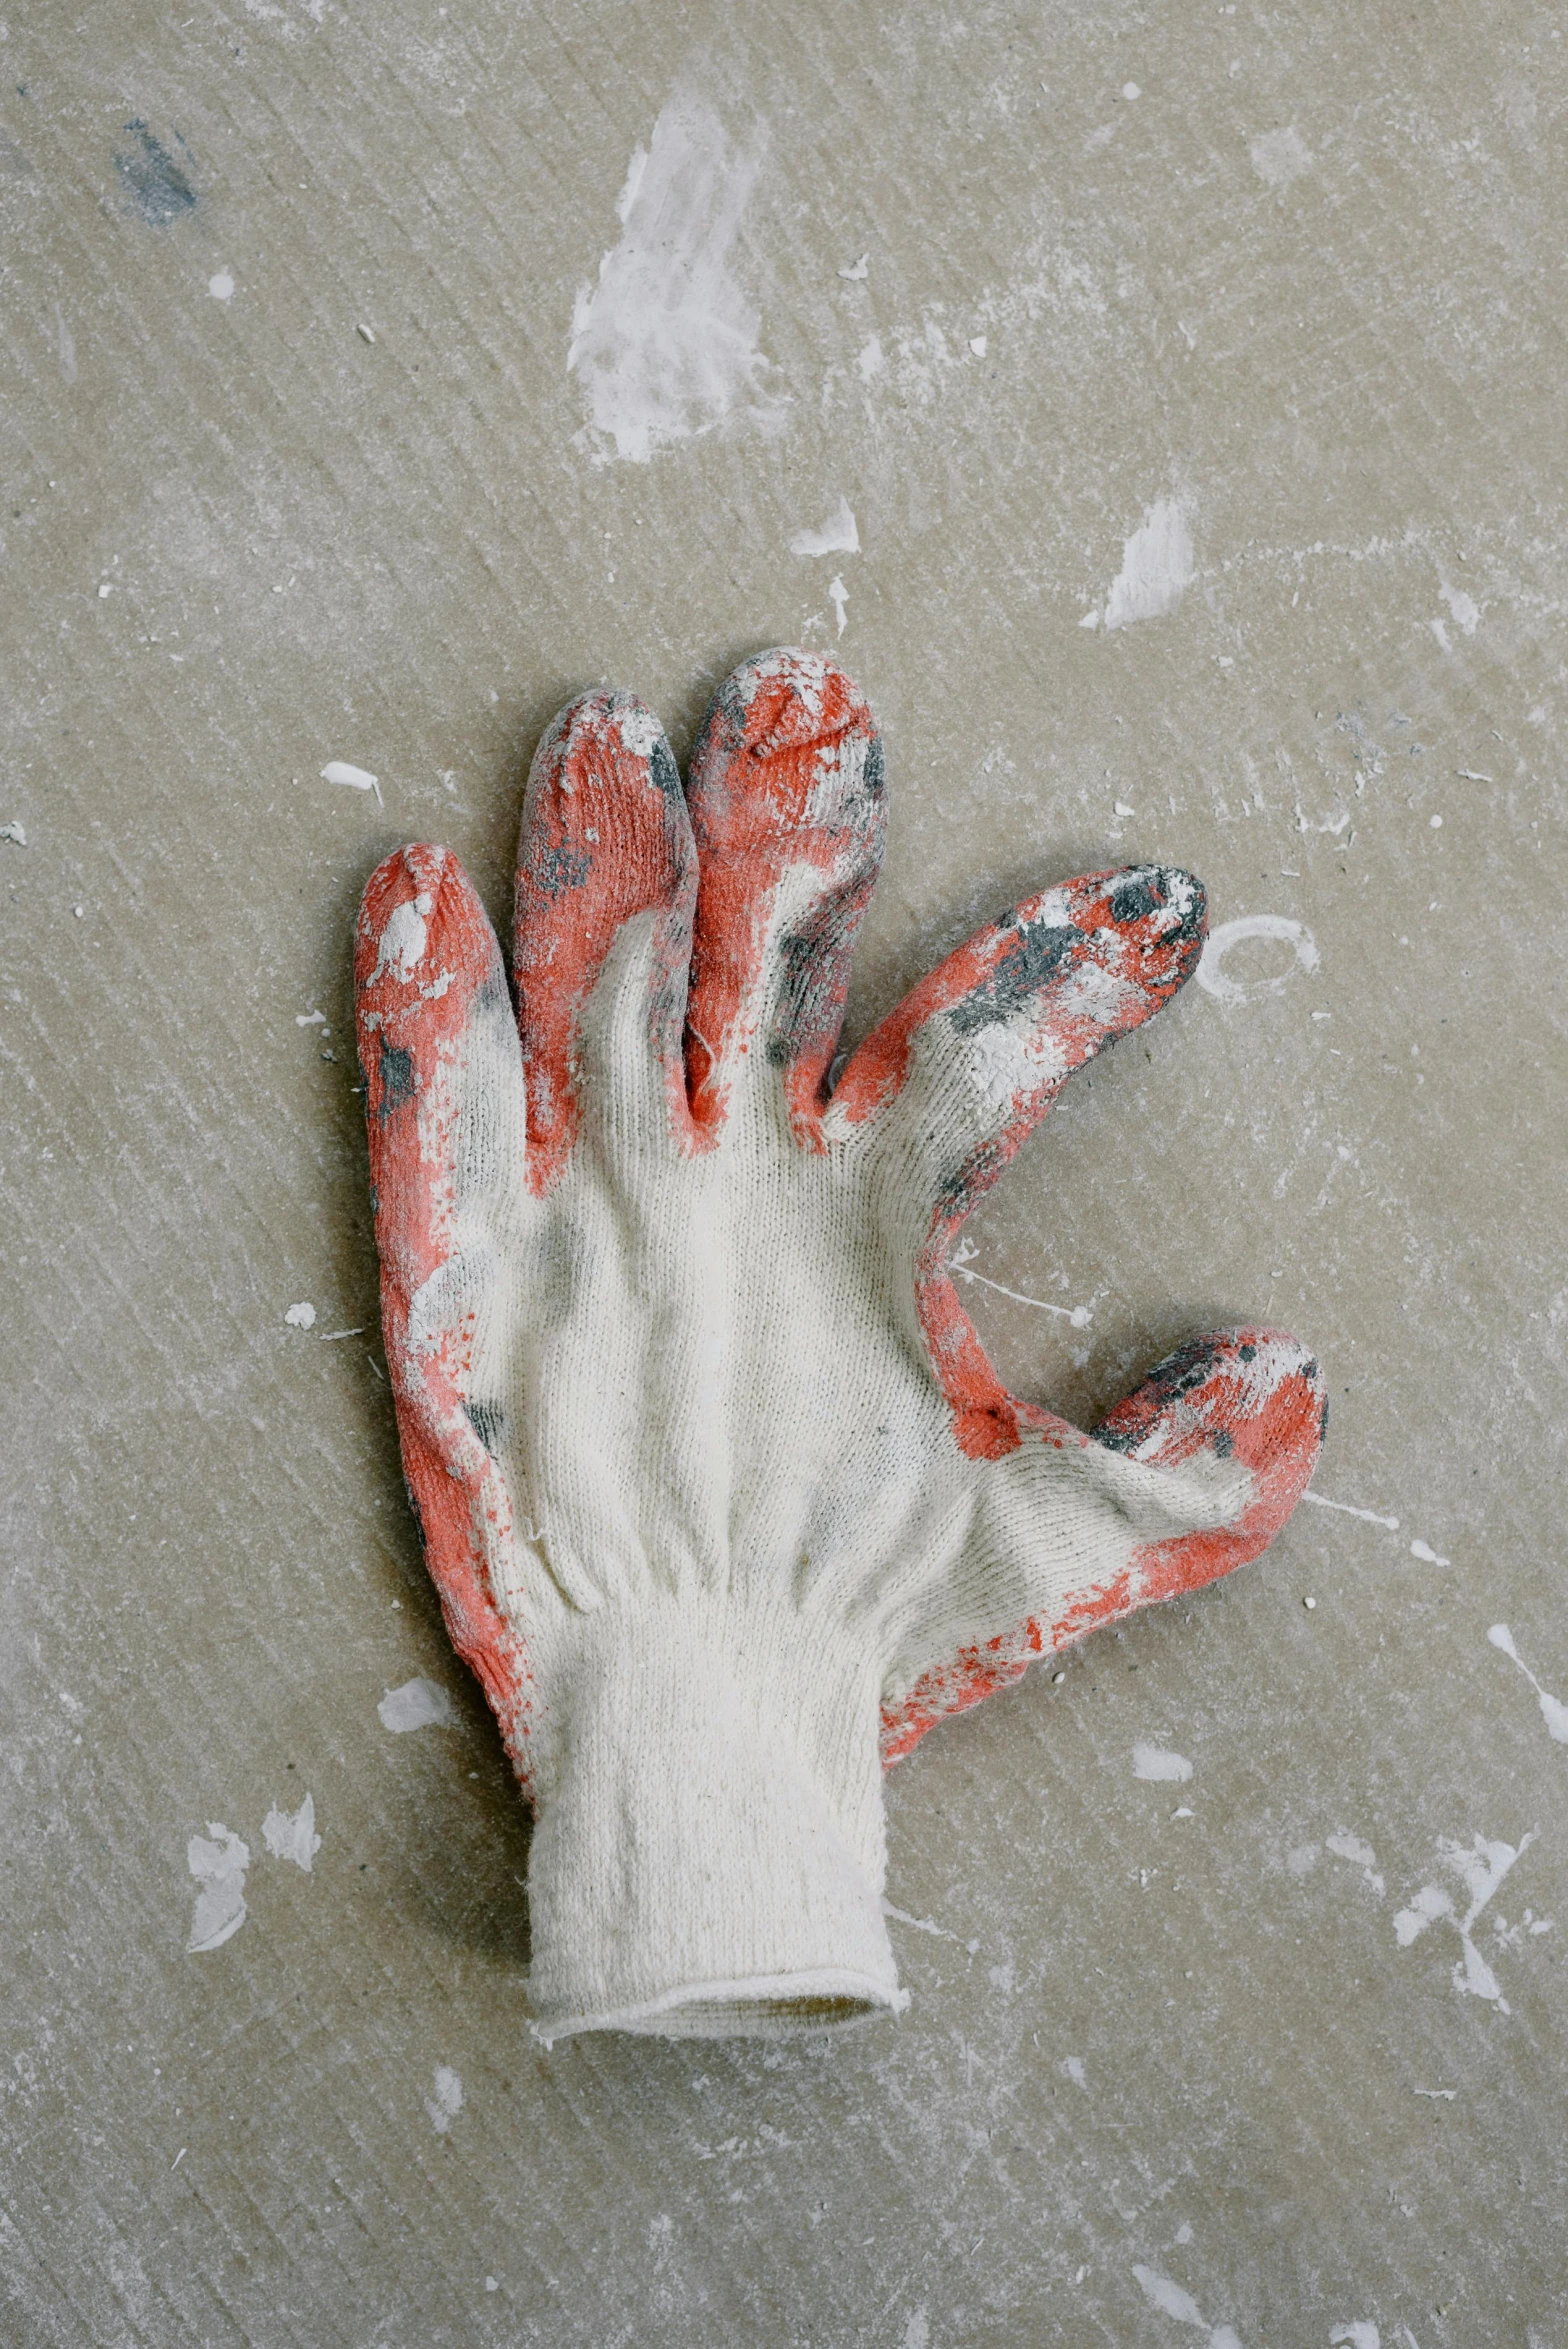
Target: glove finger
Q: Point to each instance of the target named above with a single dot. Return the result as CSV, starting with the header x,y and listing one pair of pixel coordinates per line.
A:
x,y
444,1105
788,808
606,876
1230,1427
967,1065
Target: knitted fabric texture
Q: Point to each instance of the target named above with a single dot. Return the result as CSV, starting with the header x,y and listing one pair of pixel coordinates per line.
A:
x,y
725,1504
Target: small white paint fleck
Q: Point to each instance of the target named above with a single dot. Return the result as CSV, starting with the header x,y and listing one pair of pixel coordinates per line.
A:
x,y
310,1019
837,536
1120,808
1215,980
365,333
1435,823
301,1316
491,2284
1279,156
1157,566
291,1835
1171,2300
221,286
858,269
870,362
1160,1766
219,1866
1427,1555
1183,2233
1346,1509
105,588
15,832
1090,620
1355,2336
839,596
355,778
447,2101
977,343
1130,90
1073,2067
418,1704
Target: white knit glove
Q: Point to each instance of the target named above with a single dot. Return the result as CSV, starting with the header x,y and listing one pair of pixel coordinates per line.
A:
x,y
725,1503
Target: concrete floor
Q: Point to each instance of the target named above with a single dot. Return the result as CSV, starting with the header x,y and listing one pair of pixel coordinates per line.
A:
x,y
1194,378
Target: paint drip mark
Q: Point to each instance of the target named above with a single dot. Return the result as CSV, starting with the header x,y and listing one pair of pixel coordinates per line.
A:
x,y
447,2101
1157,567
1553,1711
291,1835
158,186
1170,2299
418,1704
218,1861
665,347
1216,980
1370,1516
1480,1867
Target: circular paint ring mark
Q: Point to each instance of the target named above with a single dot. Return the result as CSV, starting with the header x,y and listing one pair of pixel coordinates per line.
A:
x,y
1211,971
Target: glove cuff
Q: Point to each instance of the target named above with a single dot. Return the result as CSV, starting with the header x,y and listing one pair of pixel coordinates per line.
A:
x,y
708,1852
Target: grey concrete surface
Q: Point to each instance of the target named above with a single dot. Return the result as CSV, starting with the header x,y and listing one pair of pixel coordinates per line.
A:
x,y
1256,310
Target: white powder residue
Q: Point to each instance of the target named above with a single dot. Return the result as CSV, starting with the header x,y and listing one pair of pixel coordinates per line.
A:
x,y
1480,1867
1355,2336
1157,566
402,942
447,2101
1216,981
418,1704
1465,609
1553,1711
837,536
218,1861
291,1835
1360,1855
665,345
1279,156
1170,2299
1160,1766
917,2333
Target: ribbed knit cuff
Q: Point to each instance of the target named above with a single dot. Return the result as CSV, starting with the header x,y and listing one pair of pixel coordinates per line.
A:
x,y
708,1851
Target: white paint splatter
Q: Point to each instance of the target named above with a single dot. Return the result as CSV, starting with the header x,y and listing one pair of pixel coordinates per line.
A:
x,y
858,269
1160,1766
310,1019
1212,975
839,595
418,1704
1157,566
301,1316
447,2101
1360,1855
1073,2066
837,536
291,1835
665,345
1279,156
1360,2335
977,344
1427,1555
1466,611
353,778
219,1866
1170,2299
1480,1867
1553,1711
15,832
920,1924
1320,1501
221,285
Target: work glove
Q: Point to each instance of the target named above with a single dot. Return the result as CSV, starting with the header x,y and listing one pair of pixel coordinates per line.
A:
x,y
724,1501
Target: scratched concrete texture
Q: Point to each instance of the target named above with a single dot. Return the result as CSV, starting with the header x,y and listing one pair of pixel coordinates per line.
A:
x,y
1193,377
